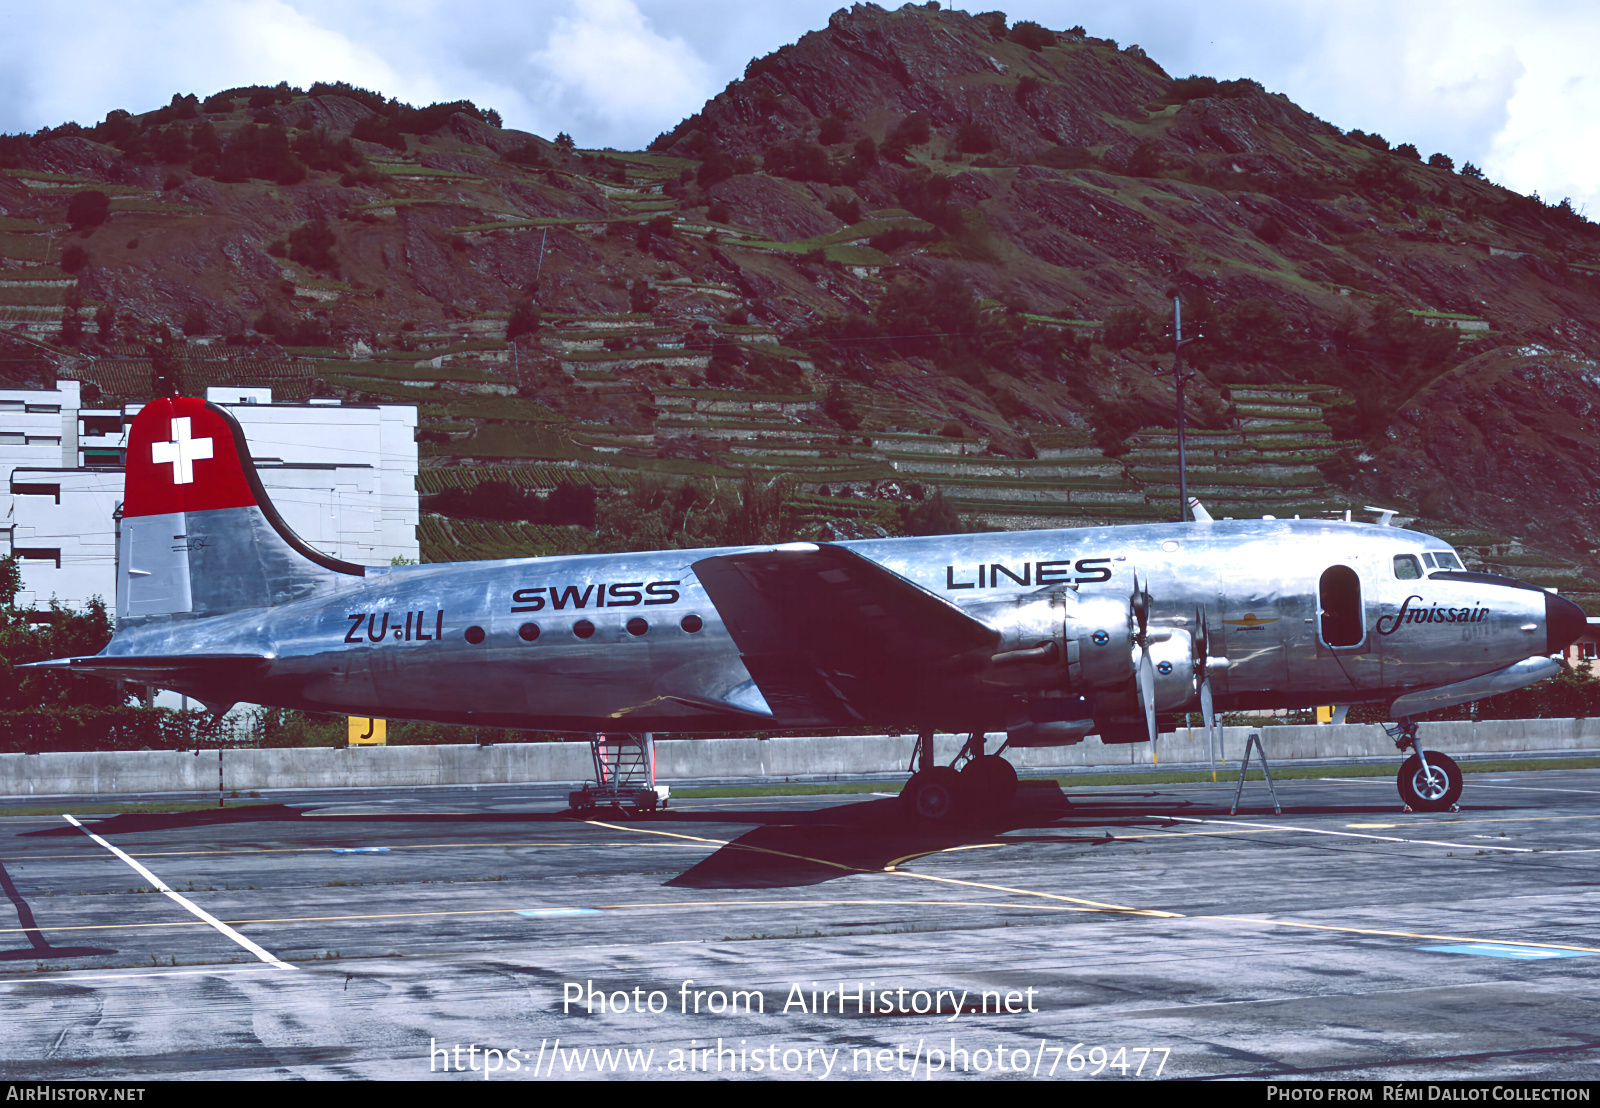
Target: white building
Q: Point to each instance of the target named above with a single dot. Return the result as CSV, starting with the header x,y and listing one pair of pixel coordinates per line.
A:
x,y
343,476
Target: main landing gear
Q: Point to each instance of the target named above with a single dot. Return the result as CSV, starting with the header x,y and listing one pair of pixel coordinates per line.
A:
x,y
984,786
1428,782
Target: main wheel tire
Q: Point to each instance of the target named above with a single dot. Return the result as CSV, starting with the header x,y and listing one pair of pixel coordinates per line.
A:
x,y
991,781
1435,789
936,795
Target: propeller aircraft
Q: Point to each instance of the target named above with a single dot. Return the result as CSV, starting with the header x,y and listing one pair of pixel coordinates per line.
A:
x,y
1043,636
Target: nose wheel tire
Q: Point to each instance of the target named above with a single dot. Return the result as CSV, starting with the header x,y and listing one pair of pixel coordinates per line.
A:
x,y
935,795
991,781
1434,789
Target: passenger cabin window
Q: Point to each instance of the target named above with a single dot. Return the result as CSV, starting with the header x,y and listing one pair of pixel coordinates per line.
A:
x,y
1340,595
1406,567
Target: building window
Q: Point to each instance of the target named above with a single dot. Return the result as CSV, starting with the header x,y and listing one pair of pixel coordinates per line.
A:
x,y
20,489
40,554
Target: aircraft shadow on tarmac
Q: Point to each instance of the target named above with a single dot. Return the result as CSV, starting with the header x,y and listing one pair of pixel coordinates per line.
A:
x,y
791,847
38,948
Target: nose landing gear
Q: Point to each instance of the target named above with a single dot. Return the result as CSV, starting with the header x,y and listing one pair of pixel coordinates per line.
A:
x,y
1427,782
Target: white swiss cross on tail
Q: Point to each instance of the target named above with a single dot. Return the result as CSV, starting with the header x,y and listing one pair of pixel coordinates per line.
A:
x,y
182,451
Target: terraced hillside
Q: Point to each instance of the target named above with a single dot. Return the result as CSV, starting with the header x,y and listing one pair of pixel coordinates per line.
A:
x,y
912,252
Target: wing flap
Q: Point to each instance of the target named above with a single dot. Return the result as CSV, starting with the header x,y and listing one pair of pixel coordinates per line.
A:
x,y
824,631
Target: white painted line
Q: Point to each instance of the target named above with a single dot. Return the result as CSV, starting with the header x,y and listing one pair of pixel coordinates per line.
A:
x,y
1474,784
189,904
1348,834
1534,789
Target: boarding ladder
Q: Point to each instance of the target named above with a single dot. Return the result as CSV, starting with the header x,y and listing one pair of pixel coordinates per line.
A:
x,y
624,775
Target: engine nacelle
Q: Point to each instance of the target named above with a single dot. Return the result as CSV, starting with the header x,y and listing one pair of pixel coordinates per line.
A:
x,y
1173,660
1058,640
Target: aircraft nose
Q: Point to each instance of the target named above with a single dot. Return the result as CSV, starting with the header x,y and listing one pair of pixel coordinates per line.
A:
x,y
1564,621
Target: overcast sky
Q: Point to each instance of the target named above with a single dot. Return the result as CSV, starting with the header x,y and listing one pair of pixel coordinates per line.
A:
x,y
1511,86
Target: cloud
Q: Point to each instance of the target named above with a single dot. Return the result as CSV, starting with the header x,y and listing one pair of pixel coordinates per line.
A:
x,y
611,65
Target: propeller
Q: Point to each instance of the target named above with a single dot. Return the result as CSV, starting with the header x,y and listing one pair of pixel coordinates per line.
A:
x,y
1145,671
1202,671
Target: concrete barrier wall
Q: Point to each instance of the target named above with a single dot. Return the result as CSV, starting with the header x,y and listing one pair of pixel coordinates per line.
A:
x,y
161,771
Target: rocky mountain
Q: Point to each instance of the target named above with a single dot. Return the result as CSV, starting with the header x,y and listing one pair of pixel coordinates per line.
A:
x,y
916,249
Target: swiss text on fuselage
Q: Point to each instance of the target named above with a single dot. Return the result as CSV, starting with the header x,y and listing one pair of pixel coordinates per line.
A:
x,y
598,595
994,575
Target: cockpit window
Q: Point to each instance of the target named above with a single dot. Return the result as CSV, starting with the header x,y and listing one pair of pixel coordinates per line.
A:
x,y
1446,560
1406,567
1427,560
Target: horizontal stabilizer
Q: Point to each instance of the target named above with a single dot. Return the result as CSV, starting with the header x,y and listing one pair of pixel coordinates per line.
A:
x,y
172,671
825,631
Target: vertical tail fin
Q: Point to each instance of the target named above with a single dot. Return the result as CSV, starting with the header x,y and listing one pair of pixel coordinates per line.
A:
x,y
199,534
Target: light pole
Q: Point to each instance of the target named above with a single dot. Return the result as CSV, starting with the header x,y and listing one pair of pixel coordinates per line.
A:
x,y
1180,378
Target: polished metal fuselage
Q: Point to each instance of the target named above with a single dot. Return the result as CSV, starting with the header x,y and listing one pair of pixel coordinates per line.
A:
x,y
547,643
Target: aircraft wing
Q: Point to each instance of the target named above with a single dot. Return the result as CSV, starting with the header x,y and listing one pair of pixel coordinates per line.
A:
x,y
824,631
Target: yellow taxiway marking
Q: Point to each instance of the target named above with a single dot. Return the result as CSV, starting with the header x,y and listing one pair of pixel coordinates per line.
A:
x,y
945,850
1098,905
1292,829
695,905
320,850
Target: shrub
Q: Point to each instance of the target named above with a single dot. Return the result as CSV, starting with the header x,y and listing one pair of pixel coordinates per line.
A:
x,y
564,143
973,137
1031,35
74,258
88,208
312,244
1027,87
1470,170
526,154
719,212
832,131
799,160
1408,151
846,207
1143,162
1125,326
195,321
1441,161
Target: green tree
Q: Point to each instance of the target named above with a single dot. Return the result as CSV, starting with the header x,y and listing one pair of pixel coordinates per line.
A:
x,y
526,319
1032,35
312,244
88,208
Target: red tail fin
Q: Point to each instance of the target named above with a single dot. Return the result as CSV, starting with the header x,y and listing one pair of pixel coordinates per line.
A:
x,y
182,457
199,533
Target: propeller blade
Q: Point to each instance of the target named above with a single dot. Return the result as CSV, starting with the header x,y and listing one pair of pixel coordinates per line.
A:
x,y
1147,691
1140,603
1208,711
